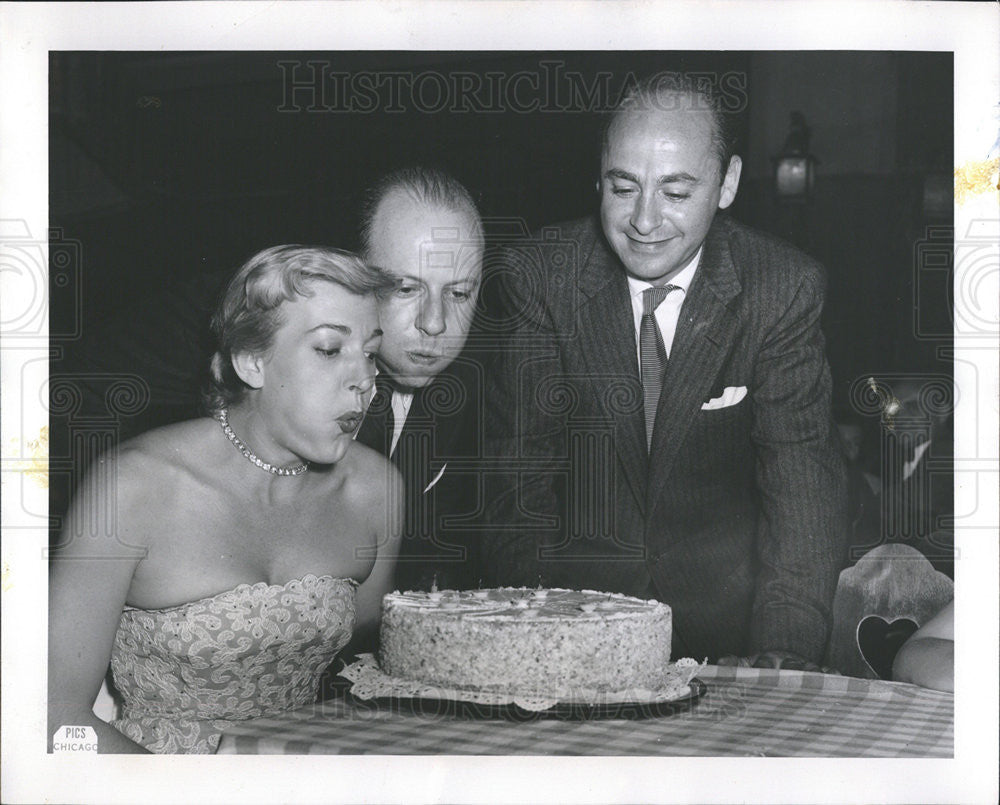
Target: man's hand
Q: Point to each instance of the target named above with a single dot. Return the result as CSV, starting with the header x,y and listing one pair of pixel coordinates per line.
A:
x,y
779,660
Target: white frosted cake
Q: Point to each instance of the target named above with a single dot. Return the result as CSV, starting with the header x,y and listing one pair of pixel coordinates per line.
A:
x,y
554,642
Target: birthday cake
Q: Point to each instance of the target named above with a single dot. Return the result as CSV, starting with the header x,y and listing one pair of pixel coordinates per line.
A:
x,y
554,642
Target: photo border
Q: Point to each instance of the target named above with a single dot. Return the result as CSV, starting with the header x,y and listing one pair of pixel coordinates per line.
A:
x,y
32,30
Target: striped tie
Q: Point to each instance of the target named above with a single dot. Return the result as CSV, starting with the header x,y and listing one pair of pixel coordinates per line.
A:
x,y
652,355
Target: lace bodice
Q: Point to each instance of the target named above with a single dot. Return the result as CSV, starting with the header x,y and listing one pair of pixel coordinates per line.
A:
x,y
186,672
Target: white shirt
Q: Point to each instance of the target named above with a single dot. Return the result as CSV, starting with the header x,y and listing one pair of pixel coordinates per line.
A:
x,y
669,310
401,402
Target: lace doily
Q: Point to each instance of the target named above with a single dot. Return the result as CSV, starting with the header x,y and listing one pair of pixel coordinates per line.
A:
x,y
371,683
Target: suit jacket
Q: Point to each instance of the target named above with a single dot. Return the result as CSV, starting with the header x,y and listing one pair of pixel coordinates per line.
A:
x,y
437,454
736,517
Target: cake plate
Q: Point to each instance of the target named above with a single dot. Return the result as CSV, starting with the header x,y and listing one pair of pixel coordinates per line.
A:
x,y
375,691
570,710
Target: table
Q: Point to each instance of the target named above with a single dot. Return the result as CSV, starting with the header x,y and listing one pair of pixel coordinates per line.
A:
x,y
746,712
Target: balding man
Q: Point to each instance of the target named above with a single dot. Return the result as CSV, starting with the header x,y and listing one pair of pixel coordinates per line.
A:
x,y
422,227
665,400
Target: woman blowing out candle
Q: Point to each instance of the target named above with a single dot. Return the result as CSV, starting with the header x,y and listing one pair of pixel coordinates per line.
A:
x,y
221,563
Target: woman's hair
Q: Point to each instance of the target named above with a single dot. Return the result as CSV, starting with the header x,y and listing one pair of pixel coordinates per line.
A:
x,y
249,313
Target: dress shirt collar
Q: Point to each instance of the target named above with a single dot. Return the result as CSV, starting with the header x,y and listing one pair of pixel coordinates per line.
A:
x,y
681,280
400,401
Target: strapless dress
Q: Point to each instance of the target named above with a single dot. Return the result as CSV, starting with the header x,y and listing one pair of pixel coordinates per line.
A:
x,y
185,673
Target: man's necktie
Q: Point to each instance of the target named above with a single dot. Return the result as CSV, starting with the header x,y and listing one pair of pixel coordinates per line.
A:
x,y
652,355
376,430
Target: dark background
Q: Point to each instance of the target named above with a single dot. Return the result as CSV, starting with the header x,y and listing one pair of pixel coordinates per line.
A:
x,y
169,167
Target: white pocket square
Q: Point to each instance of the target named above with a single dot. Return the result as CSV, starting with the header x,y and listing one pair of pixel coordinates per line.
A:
x,y
731,396
436,478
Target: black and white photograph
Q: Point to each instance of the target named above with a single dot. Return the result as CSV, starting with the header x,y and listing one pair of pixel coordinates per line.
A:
x,y
467,416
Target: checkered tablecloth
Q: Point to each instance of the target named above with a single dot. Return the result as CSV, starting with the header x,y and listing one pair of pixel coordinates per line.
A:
x,y
746,712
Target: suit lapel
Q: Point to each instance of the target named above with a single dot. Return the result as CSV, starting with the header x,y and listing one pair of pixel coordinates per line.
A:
x,y
409,450
438,425
705,332
410,458
607,342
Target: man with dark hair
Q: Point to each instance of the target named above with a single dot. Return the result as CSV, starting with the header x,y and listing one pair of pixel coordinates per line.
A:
x,y
664,400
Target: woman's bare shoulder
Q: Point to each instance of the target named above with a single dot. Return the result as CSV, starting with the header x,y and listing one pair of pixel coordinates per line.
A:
x,y
368,472
158,460
369,486
131,488
177,445
152,477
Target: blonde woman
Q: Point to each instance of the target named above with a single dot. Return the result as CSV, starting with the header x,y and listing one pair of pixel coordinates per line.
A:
x,y
248,547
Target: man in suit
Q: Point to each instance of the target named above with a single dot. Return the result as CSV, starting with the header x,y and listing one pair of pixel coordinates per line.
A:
x,y
422,226
663,404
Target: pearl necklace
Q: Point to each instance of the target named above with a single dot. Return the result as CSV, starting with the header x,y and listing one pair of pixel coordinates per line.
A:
x,y
246,451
